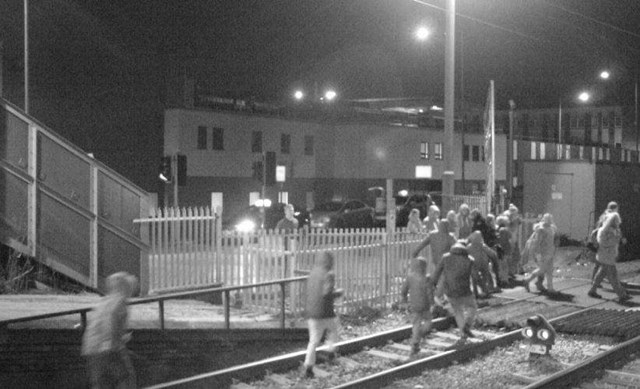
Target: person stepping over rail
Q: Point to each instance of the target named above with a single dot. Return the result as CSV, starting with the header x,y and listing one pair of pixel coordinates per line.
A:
x,y
482,255
321,317
455,269
419,288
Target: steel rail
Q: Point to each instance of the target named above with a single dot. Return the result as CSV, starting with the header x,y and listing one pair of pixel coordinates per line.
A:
x,y
289,361
588,368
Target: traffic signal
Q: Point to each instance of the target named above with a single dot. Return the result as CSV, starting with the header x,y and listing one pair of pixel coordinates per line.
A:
x,y
270,163
540,335
182,170
165,169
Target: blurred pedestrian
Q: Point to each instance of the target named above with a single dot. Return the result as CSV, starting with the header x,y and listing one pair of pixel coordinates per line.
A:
x,y
456,269
463,221
515,223
105,338
433,216
414,224
419,288
288,223
439,242
482,255
611,207
506,270
453,223
609,237
321,316
542,247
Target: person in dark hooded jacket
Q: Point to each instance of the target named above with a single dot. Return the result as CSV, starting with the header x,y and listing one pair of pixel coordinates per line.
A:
x,y
419,288
321,316
482,255
456,268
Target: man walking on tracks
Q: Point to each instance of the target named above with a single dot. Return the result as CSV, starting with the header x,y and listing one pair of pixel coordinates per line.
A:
x,y
320,312
456,268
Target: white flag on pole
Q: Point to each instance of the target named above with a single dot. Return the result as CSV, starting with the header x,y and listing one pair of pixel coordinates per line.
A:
x,y
489,145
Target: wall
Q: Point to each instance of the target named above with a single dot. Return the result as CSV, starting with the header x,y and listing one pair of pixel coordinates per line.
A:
x,y
566,190
621,183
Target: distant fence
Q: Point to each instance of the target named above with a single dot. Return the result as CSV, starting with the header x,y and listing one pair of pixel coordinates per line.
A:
x,y
189,250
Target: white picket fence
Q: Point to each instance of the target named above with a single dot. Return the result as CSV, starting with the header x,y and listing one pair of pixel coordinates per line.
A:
x,y
188,250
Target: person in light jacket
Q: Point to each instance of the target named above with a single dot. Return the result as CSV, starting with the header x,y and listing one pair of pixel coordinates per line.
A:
x,y
544,249
105,338
419,289
321,317
609,237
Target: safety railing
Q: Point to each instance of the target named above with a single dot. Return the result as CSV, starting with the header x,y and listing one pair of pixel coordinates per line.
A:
x,y
225,291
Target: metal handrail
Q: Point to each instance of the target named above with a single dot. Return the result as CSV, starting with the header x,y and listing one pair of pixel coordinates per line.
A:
x,y
161,299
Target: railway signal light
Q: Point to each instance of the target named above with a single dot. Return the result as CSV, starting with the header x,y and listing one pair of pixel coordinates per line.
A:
x,y
540,335
165,169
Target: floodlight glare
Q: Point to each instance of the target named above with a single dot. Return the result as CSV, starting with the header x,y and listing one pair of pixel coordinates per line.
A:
x,y
330,95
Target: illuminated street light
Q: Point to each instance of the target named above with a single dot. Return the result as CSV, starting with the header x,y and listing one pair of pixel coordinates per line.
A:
x,y
330,95
422,33
605,74
298,95
584,97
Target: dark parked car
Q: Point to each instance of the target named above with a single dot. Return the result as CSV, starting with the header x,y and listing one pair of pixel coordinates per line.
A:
x,y
251,219
342,214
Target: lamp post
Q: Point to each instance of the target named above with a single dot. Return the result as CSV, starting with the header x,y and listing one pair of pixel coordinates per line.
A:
x,y
605,75
448,177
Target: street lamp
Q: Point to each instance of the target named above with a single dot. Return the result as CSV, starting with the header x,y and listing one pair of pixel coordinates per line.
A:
x,y
298,95
605,74
422,33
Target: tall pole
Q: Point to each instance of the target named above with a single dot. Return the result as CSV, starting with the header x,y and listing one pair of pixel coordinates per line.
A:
x,y
635,112
26,56
463,111
449,94
560,121
512,107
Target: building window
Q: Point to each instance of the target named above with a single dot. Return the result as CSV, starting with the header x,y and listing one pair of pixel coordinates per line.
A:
x,y
202,138
475,153
437,151
283,197
424,150
482,153
308,145
285,143
218,138
256,142
465,152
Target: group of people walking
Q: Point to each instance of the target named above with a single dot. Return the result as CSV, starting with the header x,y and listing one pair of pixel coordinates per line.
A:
x,y
467,256
491,240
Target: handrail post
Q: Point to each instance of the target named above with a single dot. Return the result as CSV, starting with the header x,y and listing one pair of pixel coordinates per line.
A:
x,y
282,319
161,312
83,320
227,310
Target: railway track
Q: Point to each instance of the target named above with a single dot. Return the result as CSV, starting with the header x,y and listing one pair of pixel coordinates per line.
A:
x,y
379,359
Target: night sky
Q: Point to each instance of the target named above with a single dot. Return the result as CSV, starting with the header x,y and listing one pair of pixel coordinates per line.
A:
x,y
98,69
